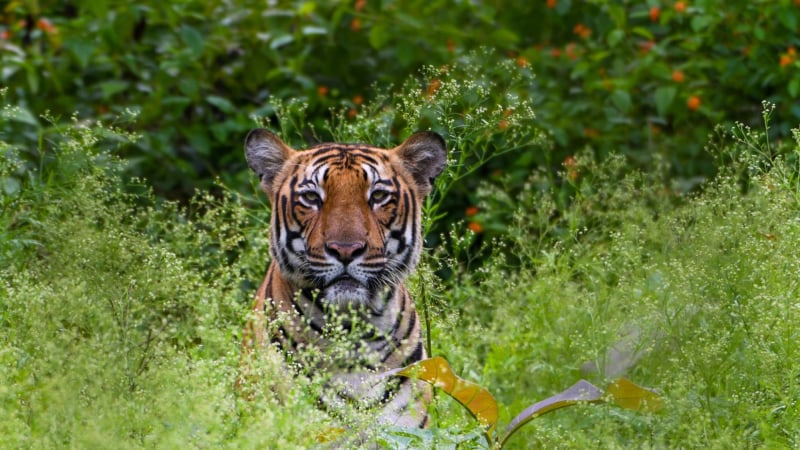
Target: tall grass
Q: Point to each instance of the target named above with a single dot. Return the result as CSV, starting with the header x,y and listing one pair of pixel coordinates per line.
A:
x,y
120,313
702,288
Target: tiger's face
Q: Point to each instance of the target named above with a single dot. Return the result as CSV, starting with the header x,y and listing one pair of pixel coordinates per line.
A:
x,y
345,217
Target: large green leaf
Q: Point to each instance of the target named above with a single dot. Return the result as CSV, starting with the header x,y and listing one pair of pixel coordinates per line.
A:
x,y
664,97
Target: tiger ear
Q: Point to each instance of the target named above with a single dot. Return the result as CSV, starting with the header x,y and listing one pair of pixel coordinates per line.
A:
x,y
424,155
266,154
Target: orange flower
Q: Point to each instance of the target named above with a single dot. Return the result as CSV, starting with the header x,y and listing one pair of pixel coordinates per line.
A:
x,y
322,90
5,34
451,45
555,52
46,26
789,57
693,102
572,167
360,4
551,4
502,125
471,211
645,46
433,87
571,51
680,7
677,76
523,61
582,30
352,113
655,11
355,24
357,100
475,227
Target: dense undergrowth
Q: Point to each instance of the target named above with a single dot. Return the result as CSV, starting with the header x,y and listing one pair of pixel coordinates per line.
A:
x,y
121,314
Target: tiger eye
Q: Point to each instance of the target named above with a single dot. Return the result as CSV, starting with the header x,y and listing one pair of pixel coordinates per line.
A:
x,y
310,197
379,196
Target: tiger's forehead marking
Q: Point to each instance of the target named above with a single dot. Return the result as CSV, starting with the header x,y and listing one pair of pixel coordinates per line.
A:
x,y
324,158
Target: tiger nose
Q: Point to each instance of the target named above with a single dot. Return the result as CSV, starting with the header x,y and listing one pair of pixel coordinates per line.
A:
x,y
345,251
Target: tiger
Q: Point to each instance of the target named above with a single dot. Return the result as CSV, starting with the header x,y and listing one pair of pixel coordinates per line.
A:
x,y
345,233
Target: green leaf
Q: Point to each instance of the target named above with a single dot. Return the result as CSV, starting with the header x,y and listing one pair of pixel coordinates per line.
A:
x,y
794,87
280,41
193,39
22,115
504,37
789,20
223,104
82,50
643,32
310,30
614,37
701,22
378,36
622,100
112,87
664,96
10,185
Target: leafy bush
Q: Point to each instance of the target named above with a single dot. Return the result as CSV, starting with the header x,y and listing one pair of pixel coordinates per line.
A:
x,y
121,313
643,79
702,289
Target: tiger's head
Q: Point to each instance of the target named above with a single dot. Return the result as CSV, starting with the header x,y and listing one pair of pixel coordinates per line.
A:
x,y
346,217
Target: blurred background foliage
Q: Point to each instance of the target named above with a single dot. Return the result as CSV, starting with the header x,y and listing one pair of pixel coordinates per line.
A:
x,y
646,79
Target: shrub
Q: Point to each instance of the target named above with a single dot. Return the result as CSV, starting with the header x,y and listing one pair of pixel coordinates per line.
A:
x,y
645,80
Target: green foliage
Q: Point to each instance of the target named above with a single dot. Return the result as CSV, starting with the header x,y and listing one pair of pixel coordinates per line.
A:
x,y
642,79
120,314
705,284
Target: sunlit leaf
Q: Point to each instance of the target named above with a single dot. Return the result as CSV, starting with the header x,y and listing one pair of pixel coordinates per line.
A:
x,y
628,395
476,399
329,435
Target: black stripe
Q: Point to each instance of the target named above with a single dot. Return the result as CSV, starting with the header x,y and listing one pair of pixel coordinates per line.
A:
x,y
415,356
393,388
302,315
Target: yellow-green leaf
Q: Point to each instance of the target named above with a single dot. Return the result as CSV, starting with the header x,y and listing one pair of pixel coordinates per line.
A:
x,y
476,399
629,395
